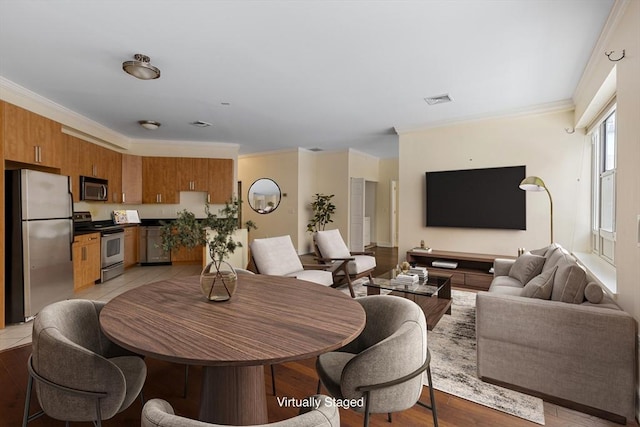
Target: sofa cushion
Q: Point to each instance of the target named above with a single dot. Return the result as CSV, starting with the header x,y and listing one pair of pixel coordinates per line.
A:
x,y
540,286
505,281
569,283
526,267
331,244
546,251
593,293
506,290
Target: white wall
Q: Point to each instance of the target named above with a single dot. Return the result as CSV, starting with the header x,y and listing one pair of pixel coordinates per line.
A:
x,y
622,32
539,142
388,171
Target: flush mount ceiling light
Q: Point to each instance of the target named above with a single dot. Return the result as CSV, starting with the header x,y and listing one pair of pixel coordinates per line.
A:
x,y
440,99
149,124
200,124
141,68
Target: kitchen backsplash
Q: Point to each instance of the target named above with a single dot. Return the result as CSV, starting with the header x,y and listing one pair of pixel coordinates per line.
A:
x,y
191,200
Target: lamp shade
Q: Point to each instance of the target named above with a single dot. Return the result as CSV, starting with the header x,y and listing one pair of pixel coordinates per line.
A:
x,y
533,183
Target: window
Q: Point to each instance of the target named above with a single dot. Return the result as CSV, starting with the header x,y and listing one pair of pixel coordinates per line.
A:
x,y
603,209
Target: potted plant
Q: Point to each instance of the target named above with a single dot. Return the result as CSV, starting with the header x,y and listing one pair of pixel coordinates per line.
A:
x,y
218,279
323,209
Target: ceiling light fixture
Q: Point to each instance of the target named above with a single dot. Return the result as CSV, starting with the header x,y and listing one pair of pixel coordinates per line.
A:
x,y
200,124
440,99
149,124
141,68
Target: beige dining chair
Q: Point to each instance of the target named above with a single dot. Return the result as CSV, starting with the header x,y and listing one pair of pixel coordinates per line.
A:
x,y
159,413
276,256
78,373
346,266
385,364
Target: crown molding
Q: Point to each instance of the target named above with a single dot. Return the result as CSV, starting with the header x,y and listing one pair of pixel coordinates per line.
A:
x,y
84,127
551,107
616,14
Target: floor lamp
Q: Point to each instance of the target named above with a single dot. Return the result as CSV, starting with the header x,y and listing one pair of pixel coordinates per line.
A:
x,y
533,183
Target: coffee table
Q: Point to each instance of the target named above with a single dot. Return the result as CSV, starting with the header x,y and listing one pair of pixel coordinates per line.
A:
x,y
433,295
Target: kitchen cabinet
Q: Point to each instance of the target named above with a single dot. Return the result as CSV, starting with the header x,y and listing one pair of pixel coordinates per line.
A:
x,y
83,158
131,246
159,180
31,138
187,256
192,174
131,179
221,185
86,260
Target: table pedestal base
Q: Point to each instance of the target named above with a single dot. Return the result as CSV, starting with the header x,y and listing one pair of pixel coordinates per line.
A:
x,y
233,395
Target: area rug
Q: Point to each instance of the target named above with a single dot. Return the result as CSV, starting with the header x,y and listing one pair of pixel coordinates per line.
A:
x,y
453,361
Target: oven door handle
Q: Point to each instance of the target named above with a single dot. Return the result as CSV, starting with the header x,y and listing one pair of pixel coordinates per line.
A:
x,y
112,232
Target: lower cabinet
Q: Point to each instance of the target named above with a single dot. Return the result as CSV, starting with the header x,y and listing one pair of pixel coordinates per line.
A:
x,y
187,256
131,246
86,260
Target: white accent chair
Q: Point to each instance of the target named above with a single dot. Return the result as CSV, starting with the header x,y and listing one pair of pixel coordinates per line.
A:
x,y
276,256
346,266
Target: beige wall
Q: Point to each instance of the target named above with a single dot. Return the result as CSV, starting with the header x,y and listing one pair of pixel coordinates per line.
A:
x,y
282,167
539,142
388,171
306,189
332,177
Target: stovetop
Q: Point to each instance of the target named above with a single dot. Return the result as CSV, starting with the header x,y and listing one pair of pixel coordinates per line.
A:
x,y
82,222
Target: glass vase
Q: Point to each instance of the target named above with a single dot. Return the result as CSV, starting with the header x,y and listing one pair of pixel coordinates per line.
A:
x,y
218,281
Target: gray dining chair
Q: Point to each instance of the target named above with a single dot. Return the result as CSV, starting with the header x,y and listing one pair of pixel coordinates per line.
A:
x,y
385,364
159,413
78,373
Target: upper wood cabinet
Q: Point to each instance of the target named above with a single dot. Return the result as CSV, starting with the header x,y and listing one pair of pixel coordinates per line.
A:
x,y
159,180
131,179
31,138
83,158
193,174
220,186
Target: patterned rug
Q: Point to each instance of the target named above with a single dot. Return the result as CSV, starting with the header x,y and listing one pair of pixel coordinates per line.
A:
x,y
453,361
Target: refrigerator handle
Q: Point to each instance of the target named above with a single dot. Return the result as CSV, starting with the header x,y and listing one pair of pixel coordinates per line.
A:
x,y
71,222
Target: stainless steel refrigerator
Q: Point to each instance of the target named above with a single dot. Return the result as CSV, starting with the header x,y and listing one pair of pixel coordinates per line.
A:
x,y
39,234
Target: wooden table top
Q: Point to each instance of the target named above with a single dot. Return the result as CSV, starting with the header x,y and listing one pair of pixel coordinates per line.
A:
x,y
270,319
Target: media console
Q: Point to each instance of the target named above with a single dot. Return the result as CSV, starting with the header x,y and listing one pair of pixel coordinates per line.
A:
x,y
472,270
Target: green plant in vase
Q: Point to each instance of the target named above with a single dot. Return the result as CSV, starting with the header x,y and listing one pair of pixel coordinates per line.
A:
x,y
323,209
218,279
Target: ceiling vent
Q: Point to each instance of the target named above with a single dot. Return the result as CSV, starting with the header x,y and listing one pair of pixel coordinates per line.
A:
x,y
201,124
440,99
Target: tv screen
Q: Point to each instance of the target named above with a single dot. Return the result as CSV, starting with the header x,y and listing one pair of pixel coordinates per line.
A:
x,y
477,198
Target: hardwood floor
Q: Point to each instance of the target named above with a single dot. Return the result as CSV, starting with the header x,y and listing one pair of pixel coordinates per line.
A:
x,y
294,379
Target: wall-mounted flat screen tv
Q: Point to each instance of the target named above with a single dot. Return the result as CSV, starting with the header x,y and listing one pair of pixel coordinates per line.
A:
x,y
477,198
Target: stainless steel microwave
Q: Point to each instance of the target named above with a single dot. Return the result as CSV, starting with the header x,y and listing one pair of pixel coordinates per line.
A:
x,y
94,189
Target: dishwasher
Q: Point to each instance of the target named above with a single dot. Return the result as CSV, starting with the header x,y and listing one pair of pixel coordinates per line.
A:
x,y
151,252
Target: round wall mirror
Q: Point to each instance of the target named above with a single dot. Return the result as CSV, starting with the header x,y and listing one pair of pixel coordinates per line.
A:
x,y
264,196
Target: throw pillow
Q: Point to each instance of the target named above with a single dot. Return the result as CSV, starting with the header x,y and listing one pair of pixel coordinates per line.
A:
x,y
569,283
593,293
540,286
526,267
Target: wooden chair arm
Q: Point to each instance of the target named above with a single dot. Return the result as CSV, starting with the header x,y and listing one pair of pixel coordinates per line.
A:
x,y
364,253
316,266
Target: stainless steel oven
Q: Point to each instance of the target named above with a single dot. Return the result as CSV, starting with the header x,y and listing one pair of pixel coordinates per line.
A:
x,y
111,254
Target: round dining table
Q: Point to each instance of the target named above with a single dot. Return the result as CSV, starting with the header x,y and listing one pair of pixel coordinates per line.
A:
x,y
269,320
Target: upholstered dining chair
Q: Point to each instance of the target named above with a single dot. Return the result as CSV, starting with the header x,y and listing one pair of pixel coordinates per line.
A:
x,y
159,413
80,375
385,363
346,266
276,256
